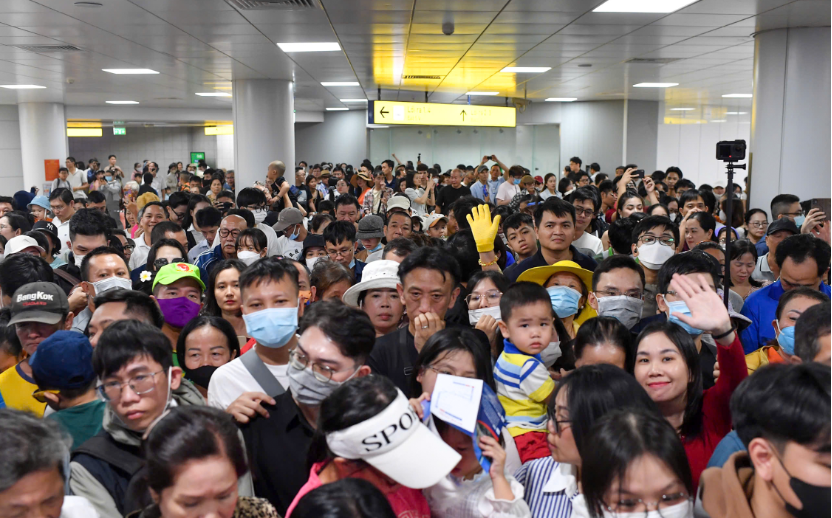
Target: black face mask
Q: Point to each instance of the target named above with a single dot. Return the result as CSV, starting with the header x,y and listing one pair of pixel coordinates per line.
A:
x,y
201,375
816,500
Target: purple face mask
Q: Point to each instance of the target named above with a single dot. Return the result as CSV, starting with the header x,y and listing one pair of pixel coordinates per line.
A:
x,y
178,311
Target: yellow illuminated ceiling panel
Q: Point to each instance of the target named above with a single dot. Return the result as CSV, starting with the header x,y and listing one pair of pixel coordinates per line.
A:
x,y
83,132
435,114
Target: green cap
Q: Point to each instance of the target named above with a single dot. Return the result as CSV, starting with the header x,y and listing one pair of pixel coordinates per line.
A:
x,y
171,273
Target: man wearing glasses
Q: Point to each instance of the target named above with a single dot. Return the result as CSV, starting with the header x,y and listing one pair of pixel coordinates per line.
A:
x,y
138,381
618,290
586,204
335,341
230,228
654,242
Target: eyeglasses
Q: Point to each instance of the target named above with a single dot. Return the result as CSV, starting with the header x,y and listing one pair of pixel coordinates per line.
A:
x,y
649,240
299,361
158,263
141,384
795,214
493,297
758,224
559,429
638,505
179,215
585,212
129,247
38,395
225,233
612,292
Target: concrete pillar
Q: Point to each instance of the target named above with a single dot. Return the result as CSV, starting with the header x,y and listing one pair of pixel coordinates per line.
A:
x,y
790,131
42,137
264,128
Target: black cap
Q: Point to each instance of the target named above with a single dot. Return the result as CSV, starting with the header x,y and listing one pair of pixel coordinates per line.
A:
x,y
782,224
43,302
47,227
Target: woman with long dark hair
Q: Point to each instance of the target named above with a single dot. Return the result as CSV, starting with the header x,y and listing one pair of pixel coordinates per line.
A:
x,y
743,261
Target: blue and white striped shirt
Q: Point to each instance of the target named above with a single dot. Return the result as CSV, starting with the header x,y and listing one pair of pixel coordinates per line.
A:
x,y
550,488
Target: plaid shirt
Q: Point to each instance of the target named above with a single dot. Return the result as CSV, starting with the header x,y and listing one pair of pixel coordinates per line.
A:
x,y
369,201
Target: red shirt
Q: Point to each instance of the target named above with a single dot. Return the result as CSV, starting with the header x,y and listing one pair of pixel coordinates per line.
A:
x,y
406,502
716,413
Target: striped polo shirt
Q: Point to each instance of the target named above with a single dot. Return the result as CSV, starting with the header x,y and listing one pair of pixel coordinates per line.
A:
x,y
523,384
550,489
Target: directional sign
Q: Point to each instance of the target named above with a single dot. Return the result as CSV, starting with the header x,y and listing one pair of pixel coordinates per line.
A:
x,y
434,114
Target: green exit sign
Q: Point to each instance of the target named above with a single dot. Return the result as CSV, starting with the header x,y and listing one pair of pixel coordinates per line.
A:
x,y
196,156
119,131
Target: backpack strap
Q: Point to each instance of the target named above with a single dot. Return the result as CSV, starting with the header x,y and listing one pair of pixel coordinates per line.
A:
x,y
261,374
68,277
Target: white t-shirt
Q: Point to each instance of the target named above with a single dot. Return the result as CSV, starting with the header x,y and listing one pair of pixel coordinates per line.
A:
x,y
507,191
77,179
63,235
289,248
232,379
139,255
419,209
77,507
589,242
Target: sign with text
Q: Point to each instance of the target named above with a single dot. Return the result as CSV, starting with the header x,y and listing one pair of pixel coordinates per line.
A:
x,y
119,131
196,156
434,114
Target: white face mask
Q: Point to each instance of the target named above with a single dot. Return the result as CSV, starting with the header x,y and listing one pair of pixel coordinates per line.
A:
x,y
474,315
310,262
682,510
551,353
112,283
654,255
248,257
626,310
260,215
78,259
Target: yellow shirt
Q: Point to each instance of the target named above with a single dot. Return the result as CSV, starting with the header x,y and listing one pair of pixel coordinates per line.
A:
x,y
16,391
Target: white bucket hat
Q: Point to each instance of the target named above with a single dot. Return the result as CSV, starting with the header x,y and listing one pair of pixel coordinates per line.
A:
x,y
377,274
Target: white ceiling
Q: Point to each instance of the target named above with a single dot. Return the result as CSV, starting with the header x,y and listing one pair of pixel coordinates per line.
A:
x,y
201,45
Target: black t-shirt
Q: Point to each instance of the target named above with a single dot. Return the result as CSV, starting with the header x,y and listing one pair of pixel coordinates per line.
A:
x,y
395,354
277,447
448,195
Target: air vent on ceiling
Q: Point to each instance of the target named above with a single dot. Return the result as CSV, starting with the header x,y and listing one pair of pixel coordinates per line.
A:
x,y
421,77
282,5
652,61
47,48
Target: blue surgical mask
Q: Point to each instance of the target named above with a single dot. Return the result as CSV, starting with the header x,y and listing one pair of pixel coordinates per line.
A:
x,y
376,248
799,220
108,178
517,181
679,306
294,236
352,264
272,327
786,338
564,300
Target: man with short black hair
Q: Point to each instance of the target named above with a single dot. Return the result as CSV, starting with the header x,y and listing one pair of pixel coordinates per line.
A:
x,y
781,414
766,269
618,290
554,221
586,205
519,231
340,246
575,164
88,230
102,270
62,205
398,249
76,178
208,221
812,340
654,242
114,305
803,261
254,200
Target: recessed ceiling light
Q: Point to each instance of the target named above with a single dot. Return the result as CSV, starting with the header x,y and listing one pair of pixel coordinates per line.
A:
x,y
736,113
88,4
561,99
738,96
642,6
718,120
122,102
129,71
345,101
655,85
327,46
585,65
339,83
337,109
482,93
682,109
213,94
22,87
521,70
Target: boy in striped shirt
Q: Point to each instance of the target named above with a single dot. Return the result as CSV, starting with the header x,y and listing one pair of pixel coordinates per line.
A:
x,y
523,382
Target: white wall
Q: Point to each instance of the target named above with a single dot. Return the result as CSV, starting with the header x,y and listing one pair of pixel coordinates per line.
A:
x,y
11,174
642,135
342,137
160,144
692,147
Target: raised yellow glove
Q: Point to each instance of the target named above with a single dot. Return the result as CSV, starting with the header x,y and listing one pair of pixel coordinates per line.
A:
x,y
484,230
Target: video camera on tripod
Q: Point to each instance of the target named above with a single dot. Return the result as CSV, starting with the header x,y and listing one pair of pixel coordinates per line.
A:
x,y
729,151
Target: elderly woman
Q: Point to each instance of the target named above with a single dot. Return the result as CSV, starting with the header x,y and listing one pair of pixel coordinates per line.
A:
x,y
377,296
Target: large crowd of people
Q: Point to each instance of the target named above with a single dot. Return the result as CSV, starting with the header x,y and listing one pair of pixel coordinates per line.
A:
x,y
401,340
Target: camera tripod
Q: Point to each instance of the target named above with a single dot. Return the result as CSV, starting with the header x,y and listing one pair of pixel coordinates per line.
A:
x,y
729,191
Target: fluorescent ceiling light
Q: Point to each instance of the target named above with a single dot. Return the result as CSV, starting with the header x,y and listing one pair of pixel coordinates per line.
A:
x,y
682,109
326,46
561,99
339,83
345,101
642,6
738,96
122,102
129,71
337,109
718,120
213,94
482,93
219,130
22,87
520,70
736,113
655,85
84,132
